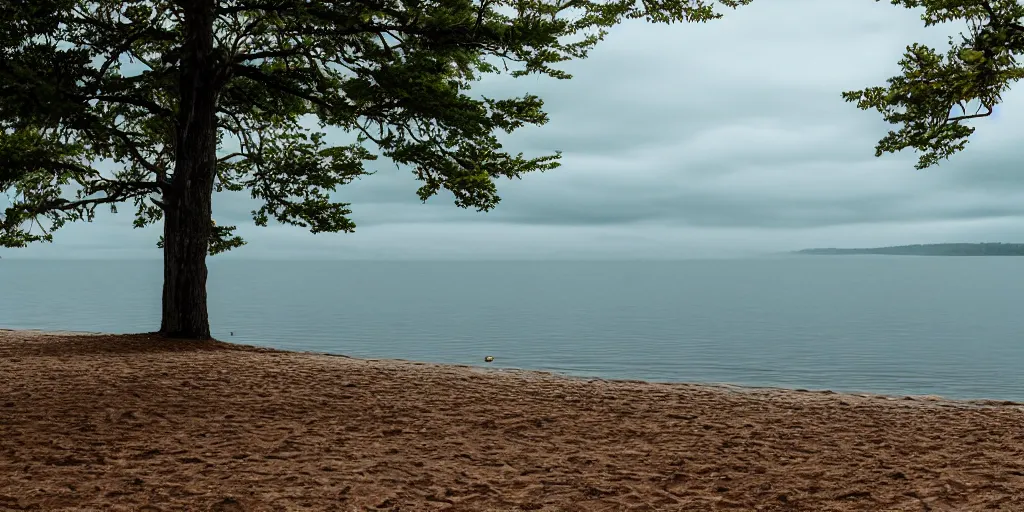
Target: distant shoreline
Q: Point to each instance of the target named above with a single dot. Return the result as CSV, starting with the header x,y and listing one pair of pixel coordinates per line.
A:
x,y
959,249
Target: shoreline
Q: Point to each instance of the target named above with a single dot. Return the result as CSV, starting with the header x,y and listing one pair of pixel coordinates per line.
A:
x,y
527,373
136,422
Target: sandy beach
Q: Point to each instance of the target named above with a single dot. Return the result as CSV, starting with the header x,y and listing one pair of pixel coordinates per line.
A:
x,y
101,422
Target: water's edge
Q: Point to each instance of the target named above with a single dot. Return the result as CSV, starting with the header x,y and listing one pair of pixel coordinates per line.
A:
x,y
933,400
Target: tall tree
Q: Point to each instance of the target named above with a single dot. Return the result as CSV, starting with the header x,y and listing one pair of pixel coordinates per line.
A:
x,y
936,92
160,87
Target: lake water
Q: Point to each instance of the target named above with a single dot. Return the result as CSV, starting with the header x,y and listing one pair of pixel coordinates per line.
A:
x,y
895,325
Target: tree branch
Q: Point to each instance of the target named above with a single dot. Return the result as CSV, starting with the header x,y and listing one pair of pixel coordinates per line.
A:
x,y
972,116
272,82
264,6
92,173
122,190
270,54
230,156
151,106
126,45
161,173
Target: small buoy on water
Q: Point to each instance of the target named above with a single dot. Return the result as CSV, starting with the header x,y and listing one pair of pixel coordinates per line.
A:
x,y
489,359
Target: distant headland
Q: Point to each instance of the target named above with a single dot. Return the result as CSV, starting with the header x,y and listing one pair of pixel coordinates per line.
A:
x,y
985,249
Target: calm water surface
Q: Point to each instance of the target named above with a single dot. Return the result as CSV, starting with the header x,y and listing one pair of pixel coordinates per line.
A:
x,y
900,325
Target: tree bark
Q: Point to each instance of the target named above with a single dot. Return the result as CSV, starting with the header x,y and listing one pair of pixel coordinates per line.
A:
x,y
188,202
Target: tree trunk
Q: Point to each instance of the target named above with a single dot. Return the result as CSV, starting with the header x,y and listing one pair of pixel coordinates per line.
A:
x,y
187,203
186,238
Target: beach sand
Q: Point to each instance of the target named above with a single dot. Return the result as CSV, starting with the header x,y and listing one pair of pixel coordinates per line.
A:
x,y
139,423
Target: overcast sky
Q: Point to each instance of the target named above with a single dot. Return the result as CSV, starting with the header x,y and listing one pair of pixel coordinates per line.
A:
x,y
723,139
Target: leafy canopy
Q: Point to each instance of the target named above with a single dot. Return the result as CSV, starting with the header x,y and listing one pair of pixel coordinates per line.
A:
x,y
84,81
937,92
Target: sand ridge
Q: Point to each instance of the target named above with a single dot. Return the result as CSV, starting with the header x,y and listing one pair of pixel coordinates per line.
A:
x,y
135,422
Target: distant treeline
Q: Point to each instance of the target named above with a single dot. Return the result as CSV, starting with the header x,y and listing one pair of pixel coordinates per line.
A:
x,y
987,249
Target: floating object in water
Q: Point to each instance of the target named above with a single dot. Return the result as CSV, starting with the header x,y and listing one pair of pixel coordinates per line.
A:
x,y
232,333
489,359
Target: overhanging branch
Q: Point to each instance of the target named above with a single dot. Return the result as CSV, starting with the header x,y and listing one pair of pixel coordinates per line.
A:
x,y
54,165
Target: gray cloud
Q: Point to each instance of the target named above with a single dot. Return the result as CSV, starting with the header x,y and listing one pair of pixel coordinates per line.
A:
x,y
728,138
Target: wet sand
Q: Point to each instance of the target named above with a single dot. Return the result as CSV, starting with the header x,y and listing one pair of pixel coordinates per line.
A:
x,y
100,422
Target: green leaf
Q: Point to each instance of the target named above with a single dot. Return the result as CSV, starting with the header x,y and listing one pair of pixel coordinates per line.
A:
x,y
929,101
